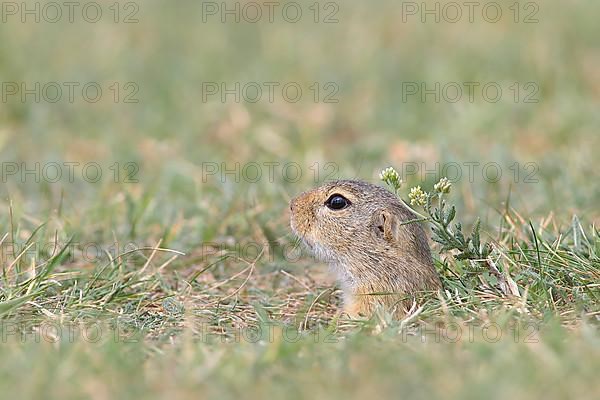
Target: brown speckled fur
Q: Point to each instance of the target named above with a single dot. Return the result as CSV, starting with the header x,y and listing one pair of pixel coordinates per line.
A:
x,y
378,260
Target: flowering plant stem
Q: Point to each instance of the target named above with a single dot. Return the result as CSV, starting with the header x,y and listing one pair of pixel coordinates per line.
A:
x,y
469,248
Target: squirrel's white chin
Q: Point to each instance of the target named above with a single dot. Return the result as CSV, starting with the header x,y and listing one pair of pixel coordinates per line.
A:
x,y
323,253
336,265
347,281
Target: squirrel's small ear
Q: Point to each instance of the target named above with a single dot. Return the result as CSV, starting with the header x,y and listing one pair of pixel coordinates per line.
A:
x,y
387,225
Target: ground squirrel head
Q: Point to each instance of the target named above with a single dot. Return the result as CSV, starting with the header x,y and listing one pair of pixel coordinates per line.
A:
x,y
342,219
364,232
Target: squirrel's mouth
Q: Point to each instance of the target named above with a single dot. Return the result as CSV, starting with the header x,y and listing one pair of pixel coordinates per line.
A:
x,y
302,237
314,246
296,230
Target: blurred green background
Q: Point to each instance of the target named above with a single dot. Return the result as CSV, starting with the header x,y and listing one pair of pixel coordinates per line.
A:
x,y
369,54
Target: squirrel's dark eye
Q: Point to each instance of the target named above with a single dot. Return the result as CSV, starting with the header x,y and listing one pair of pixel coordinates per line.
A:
x,y
337,202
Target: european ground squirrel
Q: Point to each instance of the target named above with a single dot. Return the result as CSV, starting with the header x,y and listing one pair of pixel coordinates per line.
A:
x,y
361,230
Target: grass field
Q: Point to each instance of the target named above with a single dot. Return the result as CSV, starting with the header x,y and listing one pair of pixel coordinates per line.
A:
x,y
148,159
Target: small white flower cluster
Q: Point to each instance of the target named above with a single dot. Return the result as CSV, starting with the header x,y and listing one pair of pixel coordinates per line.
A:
x,y
417,196
391,177
443,186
